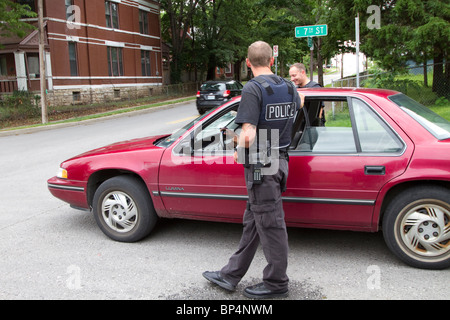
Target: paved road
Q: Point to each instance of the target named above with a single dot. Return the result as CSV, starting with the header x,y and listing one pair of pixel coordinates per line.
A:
x,y
50,251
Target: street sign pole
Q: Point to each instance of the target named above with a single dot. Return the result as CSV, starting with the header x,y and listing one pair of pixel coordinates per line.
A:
x,y
311,64
309,32
275,55
357,49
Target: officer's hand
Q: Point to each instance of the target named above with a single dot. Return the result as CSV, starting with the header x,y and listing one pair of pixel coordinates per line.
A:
x,y
302,98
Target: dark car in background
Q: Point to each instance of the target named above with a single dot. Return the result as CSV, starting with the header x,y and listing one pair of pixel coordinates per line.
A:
x,y
215,93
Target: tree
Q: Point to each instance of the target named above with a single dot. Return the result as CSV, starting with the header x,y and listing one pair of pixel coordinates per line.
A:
x,y
220,32
10,15
410,30
177,18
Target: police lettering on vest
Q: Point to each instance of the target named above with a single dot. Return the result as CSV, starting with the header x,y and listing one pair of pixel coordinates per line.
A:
x,y
278,111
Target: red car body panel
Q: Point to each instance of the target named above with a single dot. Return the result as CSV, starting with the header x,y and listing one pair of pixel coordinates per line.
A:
x,y
325,191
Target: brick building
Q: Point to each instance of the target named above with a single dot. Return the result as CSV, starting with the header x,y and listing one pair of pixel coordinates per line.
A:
x,y
96,50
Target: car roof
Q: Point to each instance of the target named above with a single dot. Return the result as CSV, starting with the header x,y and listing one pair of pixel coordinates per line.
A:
x,y
220,81
382,93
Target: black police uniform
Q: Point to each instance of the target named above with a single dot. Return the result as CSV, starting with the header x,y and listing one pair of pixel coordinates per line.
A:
x,y
268,102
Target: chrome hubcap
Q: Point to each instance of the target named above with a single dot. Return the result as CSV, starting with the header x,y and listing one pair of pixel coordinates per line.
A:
x,y
425,230
119,212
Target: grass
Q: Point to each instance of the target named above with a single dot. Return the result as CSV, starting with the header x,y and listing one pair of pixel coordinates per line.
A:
x,y
443,111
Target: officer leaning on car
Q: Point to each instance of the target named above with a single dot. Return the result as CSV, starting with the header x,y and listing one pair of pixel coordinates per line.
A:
x,y
267,110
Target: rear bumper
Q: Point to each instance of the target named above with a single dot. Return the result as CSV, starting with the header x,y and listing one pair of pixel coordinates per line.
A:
x,y
209,104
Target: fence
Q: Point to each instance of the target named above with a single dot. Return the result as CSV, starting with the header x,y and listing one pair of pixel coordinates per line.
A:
x,y
107,95
417,83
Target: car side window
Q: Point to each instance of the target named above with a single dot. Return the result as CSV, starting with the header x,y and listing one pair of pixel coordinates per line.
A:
x,y
337,134
215,136
211,138
351,127
231,86
374,135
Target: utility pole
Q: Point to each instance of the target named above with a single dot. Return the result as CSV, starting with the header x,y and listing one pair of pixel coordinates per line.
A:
x,y
357,49
42,61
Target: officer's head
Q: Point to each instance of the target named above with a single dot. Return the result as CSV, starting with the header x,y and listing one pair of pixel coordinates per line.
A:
x,y
260,54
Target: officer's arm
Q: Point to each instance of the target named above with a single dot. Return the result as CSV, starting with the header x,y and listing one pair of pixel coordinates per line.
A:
x,y
247,135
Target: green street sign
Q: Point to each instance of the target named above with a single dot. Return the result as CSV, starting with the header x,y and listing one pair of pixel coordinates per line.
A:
x,y
311,31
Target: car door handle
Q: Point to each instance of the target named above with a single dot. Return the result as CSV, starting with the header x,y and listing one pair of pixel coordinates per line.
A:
x,y
374,170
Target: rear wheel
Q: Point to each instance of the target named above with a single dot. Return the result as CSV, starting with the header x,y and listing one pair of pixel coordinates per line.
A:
x,y
123,209
416,227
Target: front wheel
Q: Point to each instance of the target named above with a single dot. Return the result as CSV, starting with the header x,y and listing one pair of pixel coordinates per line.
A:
x,y
123,209
416,227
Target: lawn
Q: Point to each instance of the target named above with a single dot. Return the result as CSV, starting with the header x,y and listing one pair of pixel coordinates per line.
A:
x,y
443,111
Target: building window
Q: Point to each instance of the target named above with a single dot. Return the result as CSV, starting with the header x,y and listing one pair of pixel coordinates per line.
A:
x,y
115,61
73,59
228,68
3,68
33,65
76,96
145,63
143,22
69,13
30,3
112,15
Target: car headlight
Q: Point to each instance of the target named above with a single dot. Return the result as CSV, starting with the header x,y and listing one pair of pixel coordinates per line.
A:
x,y
62,173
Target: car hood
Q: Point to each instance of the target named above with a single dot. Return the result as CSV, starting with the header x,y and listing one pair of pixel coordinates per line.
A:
x,y
124,146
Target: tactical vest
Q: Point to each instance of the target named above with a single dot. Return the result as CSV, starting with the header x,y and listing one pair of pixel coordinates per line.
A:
x,y
278,111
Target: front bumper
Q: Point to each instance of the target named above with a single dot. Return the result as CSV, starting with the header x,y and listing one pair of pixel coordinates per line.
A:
x,y
72,192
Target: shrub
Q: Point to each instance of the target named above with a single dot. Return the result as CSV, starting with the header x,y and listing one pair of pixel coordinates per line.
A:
x,y
19,105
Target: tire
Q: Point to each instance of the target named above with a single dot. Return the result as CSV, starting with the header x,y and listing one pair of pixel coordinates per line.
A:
x,y
123,209
416,227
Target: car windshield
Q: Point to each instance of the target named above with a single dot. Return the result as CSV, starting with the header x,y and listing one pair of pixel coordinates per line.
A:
x,y
166,142
435,124
213,86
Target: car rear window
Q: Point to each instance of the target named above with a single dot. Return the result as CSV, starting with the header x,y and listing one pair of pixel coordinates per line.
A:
x,y
213,87
435,124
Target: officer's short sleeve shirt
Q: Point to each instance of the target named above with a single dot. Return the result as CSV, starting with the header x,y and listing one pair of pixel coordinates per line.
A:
x,y
250,105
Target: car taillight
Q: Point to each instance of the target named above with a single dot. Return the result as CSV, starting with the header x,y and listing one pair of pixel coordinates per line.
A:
x,y
226,93
198,94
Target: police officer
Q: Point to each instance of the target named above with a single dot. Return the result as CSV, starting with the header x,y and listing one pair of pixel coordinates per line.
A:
x,y
266,112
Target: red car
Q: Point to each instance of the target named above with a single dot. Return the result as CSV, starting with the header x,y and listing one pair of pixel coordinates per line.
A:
x,y
380,162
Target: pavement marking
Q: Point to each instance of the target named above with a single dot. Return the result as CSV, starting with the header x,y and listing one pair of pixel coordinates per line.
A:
x,y
182,120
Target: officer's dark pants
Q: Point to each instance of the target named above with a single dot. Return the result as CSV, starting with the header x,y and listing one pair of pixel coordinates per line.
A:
x,y
263,223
